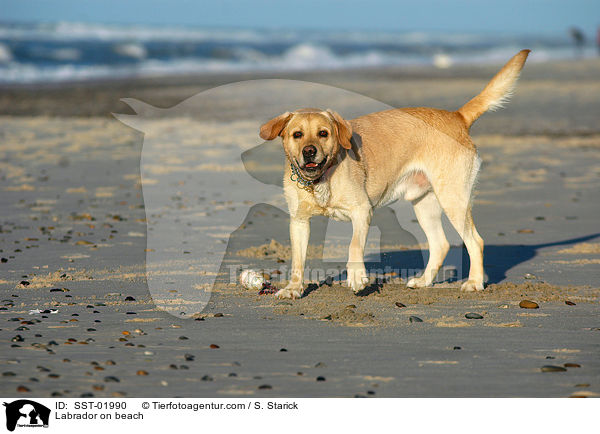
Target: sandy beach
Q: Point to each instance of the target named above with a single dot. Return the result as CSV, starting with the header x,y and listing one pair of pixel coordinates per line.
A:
x,y
81,227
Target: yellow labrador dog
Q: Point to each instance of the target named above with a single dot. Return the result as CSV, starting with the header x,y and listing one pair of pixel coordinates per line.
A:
x,y
343,169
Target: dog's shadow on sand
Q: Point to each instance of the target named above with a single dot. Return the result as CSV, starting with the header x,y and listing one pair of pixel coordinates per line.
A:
x,y
498,258
265,222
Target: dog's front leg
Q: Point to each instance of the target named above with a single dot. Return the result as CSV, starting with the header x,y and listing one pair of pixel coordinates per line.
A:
x,y
299,235
357,274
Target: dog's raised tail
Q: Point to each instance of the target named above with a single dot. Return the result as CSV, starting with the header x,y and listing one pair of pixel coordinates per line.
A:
x,y
498,90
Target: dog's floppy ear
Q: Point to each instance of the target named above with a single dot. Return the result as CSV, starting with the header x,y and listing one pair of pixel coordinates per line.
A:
x,y
275,126
343,130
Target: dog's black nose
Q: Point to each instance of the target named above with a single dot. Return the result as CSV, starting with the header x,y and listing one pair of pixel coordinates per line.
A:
x,y
309,152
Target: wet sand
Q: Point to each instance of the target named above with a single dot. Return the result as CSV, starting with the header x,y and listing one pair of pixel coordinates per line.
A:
x,y
74,238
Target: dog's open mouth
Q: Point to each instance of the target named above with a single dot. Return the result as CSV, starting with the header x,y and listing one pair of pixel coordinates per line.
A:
x,y
311,168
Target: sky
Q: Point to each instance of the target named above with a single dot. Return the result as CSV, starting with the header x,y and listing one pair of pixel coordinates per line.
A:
x,y
498,16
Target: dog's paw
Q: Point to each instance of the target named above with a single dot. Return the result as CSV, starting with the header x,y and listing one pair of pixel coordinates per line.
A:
x,y
418,282
289,292
471,286
357,279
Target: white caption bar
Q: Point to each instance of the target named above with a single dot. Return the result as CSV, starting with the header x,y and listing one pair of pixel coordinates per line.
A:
x,y
277,415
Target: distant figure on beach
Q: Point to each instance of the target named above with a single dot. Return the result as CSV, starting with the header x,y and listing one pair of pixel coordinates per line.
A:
x,y
578,39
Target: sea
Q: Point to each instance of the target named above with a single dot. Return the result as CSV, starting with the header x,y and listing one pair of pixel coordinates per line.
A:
x,y
74,51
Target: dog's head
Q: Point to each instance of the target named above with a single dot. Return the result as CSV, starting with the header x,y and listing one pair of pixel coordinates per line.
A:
x,y
311,138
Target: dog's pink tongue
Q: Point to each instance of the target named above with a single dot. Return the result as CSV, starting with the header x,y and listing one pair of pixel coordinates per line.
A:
x,y
311,164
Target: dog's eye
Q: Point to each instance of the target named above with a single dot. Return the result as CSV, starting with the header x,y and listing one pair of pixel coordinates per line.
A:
x,y
323,133
297,134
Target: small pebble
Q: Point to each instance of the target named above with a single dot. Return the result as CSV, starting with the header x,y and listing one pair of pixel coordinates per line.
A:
x,y
320,378
129,298
265,387
23,389
572,365
141,372
569,303
414,319
473,315
110,362
584,394
218,315
207,378
528,304
189,357
214,346
283,350
582,385
398,304
183,338
320,365
552,368
457,348
111,379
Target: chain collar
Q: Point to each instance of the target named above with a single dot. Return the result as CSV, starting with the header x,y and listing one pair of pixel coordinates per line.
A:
x,y
305,184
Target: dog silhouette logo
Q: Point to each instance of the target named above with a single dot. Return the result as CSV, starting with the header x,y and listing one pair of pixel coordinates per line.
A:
x,y
26,413
212,187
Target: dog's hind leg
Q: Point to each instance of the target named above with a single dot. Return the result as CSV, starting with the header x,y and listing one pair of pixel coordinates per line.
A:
x,y
429,213
453,190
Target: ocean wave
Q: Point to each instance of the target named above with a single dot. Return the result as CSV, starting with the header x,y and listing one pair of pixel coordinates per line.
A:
x,y
135,51
298,59
66,51
5,54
